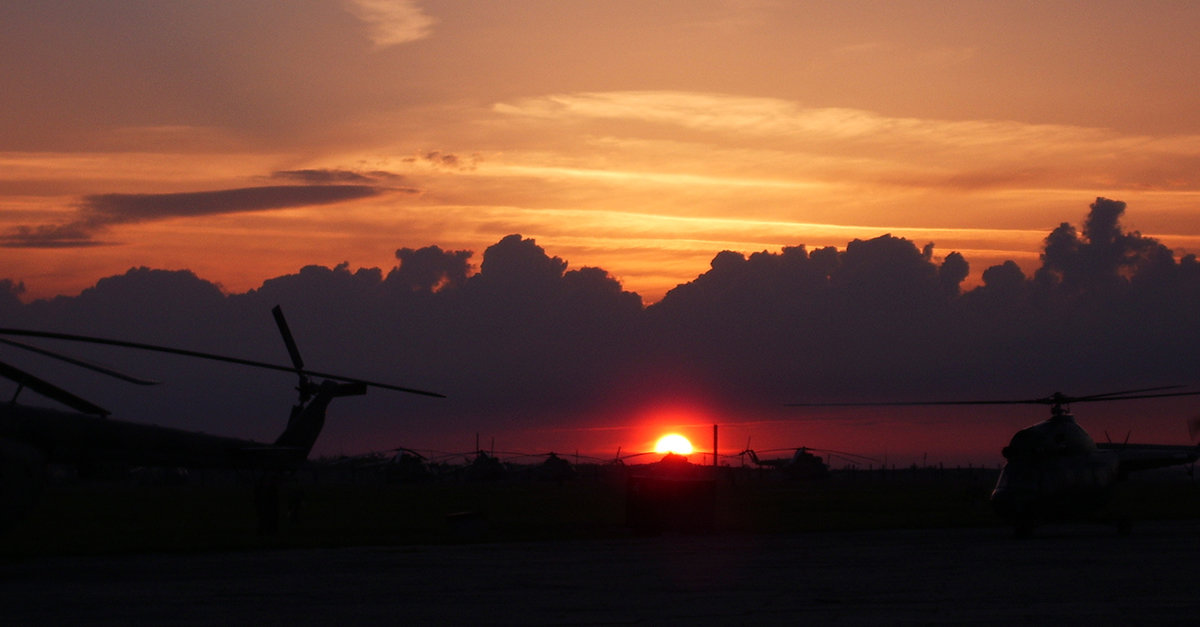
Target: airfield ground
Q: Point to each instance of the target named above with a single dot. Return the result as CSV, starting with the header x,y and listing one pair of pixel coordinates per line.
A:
x,y
854,549
1070,575
112,517
97,517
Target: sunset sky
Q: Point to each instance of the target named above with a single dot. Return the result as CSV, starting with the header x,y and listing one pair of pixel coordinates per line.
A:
x,y
244,140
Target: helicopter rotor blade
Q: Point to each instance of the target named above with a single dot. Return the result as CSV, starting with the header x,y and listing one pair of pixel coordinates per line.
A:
x,y
288,340
1126,392
50,391
210,356
304,387
81,363
401,449
1054,399
1131,396
915,403
845,454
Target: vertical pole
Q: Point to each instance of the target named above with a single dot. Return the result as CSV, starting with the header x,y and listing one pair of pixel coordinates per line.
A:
x,y
714,446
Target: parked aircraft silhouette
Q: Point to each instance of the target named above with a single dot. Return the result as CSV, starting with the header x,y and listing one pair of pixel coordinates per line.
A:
x,y
1055,471
407,465
801,465
552,467
32,437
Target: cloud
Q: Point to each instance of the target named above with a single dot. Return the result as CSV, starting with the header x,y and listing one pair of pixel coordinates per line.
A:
x,y
123,208
528,344
392,22
1104,257
444,160
10,293
100,211
783,138
724,113
71,235
518,261
431,269
319,176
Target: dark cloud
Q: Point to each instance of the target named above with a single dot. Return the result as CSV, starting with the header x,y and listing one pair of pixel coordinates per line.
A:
x,y
338,177
523,343
10,296
1104,257
100,211
445,160
952,273
1006,276
430,269
124,208
72,235
322,177
520,264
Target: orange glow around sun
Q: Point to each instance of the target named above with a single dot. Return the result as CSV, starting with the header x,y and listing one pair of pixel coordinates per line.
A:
x,y
673,443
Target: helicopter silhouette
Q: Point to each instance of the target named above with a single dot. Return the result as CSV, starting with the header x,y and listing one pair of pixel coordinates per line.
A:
x,y
801,465
407,466
32,437
1054,471
553,468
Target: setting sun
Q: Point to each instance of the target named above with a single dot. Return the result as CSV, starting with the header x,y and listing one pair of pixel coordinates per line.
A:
x,y
673,443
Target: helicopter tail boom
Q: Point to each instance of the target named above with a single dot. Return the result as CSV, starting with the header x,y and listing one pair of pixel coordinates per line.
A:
x,y
307,419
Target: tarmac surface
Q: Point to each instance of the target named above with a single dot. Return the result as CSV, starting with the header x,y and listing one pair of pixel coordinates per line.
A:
x,y
1064,575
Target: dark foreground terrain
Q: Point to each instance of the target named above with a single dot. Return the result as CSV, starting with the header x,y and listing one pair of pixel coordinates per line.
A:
x,y
859,548
1077,575
95,517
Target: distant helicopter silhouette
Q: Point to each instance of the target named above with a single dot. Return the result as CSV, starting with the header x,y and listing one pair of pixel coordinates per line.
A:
x,y
32,437
1055,471
397,465
801,465
553,467
484,467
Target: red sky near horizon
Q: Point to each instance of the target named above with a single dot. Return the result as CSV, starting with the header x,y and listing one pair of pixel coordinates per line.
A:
x,y
642,142
845,436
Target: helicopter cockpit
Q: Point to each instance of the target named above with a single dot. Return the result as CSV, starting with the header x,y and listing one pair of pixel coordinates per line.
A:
x,y
1059,436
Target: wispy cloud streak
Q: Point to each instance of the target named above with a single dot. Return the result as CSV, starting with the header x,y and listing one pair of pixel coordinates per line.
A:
x,y
392,22
874,147
100,211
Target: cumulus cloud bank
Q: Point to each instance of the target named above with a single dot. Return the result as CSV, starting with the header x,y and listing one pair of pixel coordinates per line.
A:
x,y
523,341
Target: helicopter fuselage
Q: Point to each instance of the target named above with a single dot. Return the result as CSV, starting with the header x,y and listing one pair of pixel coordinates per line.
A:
x,y
63,437
1055,471
1067,487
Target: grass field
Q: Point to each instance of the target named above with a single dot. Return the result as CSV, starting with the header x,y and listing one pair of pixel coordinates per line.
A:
x,y
120,517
